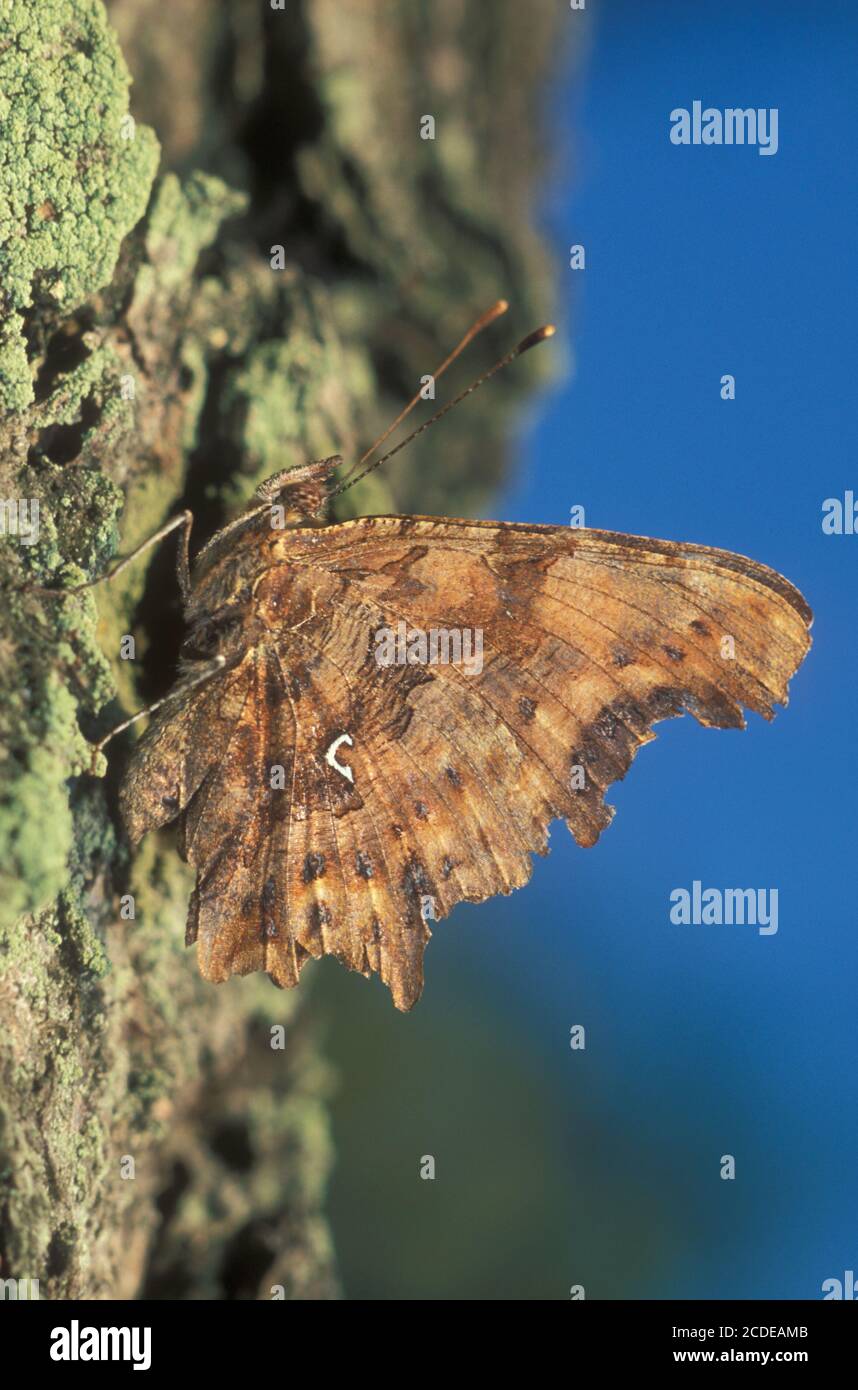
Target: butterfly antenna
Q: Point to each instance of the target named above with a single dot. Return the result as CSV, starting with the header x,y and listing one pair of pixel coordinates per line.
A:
x,y
495,312
538,336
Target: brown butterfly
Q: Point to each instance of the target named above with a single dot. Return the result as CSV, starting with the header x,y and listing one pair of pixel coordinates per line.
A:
x,y
338,783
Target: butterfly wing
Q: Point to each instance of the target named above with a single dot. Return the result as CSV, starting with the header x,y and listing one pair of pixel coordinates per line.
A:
x,y
408,787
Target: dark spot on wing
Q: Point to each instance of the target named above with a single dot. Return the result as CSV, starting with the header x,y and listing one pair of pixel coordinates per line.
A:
x,y
314,867
363,864
417,885
605,724
665,702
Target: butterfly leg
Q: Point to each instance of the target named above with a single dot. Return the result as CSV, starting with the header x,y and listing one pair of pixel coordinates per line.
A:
x,y
184,519
211,669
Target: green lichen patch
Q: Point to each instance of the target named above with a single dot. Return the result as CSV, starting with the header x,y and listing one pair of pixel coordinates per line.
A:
x,y
75,170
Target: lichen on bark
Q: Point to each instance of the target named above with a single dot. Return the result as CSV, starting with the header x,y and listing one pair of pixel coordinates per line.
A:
x,y
150,359
75,172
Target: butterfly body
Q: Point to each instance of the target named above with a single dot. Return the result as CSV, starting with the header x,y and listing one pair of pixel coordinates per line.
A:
x,y
334,803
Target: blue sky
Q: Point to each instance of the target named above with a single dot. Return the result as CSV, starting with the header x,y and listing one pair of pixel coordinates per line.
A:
x,y
702,1041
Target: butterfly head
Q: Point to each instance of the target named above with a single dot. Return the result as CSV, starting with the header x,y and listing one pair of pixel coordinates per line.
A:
x,y
289,498
301,491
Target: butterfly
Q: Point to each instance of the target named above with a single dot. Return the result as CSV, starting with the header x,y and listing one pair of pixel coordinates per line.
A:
x,y
339,782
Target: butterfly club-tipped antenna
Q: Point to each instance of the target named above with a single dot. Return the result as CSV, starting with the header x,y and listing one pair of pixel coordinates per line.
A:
x,y
498,308
539,335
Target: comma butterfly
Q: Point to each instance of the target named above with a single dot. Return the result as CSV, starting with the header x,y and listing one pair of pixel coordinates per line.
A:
x,y
340,781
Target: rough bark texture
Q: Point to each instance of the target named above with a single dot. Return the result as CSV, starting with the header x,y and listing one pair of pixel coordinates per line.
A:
x,y
153,1141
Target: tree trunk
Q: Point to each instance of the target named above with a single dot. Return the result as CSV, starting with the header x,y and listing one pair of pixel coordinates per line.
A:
x,y
156,1139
